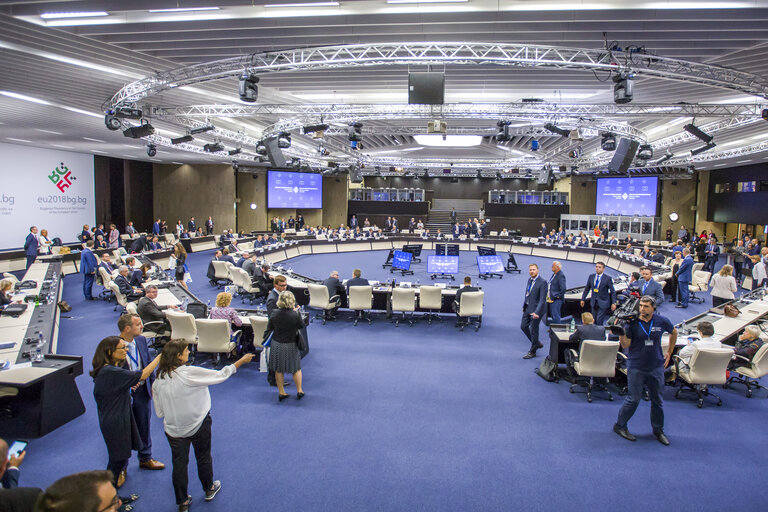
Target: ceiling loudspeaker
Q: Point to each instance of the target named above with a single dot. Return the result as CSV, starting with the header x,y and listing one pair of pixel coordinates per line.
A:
x,y
355,174
625,153
426,88
543,177
274,153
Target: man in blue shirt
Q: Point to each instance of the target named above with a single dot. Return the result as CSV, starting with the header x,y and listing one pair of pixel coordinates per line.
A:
x,y
88,265
30,246
645,367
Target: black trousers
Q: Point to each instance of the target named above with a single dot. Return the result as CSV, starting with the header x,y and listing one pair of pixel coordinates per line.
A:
x,y
201,441
718,301
530,327
116,466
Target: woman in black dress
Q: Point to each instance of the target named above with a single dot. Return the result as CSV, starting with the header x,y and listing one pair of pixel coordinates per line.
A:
x,y
284,356
675,264
181,257
112,385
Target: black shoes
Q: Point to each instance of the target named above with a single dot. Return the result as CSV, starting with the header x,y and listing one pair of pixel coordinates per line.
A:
x,y
539,345
681,306
529,355
300,395
532,353
624,432
661,437
282,397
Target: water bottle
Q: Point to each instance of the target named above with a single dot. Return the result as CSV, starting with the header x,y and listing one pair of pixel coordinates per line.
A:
x,y
572,327
208,305
184,304
417,283
39,348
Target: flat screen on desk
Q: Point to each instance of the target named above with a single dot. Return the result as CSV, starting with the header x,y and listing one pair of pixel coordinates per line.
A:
x,y
490,264
442,264
401,260
627,196
294,190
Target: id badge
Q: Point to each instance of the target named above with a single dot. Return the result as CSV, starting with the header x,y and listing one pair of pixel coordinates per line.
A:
x,y
648,342
595,290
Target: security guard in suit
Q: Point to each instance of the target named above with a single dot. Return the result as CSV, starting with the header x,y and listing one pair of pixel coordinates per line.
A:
x,y
603,295
556,292
534,308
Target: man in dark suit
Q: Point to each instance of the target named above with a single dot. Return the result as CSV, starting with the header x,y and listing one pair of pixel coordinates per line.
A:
x,y
684,278
191,226
130,230
453,215
556,293
227,257
656,257
250,266
243,259
335,288
587,331
137,359
149,311
124,285
534,307
603,295
154,245
543,231
357,280
156,227
209,226
467,287
135,277
646,285
106,263
353,222
88,265
712,253
30,246
139,244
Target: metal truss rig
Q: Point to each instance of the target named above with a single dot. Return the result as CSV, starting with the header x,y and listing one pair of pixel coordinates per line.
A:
x,y
446,53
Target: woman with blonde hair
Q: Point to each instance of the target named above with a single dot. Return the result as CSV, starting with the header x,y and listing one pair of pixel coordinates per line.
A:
x,y
6,285
723,286
181,257
223,310
284,357
44,241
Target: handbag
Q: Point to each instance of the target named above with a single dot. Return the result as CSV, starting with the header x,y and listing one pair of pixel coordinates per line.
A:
x,y
731,311
64,306
267,339
301,342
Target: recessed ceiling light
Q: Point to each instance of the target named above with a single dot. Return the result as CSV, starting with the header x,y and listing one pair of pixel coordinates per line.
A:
x,y
48,131
743,161
305,4
61,146
62,15
94,140
426,1
461,141
18,140
186,9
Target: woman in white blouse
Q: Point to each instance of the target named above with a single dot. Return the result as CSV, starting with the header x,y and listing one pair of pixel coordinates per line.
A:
x,y
723,286
182,399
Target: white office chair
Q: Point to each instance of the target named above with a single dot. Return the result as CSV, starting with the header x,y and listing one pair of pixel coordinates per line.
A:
x,y
431,299
221,272
12,278
361,302
119,253
214,336
471,305
695,267
183,326
151,329
170,239
259,325
707,368
245,287
699,283
751,370
404,301
122,300
106,278
596,359
319,298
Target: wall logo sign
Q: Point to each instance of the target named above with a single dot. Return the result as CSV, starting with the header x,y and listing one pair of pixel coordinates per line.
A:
x,y
62,177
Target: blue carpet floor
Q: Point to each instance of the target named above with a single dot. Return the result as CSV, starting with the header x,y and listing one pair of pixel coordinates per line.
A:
x,y
427,418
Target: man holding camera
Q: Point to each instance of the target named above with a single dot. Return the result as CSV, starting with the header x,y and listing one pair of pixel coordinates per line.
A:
x,y
645,366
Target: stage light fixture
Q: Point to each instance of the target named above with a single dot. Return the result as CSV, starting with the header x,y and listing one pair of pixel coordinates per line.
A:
x,y
554,129
182,139
535,145
622,88
127,113
235,151
502,135
645,152
667,156
317,129
608,142
151,150
576,135
248,89
284,140
137,132
111,122
702,149
355,132
765,114
213,147
574,153
202,129
261,148
696,132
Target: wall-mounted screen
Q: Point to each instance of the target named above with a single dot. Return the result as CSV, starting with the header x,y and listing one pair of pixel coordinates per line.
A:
x,y
627,196
294,190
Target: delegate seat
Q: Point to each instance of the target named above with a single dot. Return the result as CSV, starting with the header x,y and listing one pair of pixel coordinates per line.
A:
x,y
215,337
471,305
707,368
431,299
597,359
403,301
361,302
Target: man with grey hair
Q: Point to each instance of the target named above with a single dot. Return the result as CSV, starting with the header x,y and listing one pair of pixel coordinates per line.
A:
x,y
335,288
123,283
149,311
746,347
556,291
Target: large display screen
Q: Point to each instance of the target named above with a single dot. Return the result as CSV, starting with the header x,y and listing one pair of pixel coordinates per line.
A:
x,y
490,264
627,196
294,190
442,264
401,260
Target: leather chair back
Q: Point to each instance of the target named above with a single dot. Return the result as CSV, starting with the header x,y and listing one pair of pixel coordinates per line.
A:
x,y
430,297
708,365
360,298
471,304
404,299
182,326
597,358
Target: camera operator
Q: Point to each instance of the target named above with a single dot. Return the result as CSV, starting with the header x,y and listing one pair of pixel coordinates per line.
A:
x,y
642,336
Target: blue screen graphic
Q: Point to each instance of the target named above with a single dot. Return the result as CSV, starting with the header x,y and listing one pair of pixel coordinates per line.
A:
x,y
442,264
294,190
401,260
627,196
490,264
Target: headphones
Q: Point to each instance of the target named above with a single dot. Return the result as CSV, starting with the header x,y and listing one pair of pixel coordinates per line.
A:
x,y
648,298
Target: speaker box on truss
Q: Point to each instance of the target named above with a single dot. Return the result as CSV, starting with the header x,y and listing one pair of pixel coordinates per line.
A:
x,y
355,175
625,152
426,88
543,177
274,153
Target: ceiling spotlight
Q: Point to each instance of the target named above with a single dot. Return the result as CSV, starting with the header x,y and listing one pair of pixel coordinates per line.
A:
x,y
667,156
608,142
622,88
151,150
235,151
645,152
503,134
765,114
248,89
576,135
690,170
213,147
574,153
554,129
284,140
535,145
127,113
111,122
261,148
136,132
702,149
318,130
183,138
202,129
355,132
696,132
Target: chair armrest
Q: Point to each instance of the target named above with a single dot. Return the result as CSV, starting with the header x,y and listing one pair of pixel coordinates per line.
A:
x,y
574,354
737,357
621,354
335,299
156,323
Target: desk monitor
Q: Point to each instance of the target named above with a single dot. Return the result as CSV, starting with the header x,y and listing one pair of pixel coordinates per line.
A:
x,y
452,249
485,251
490,264
442,264
401,260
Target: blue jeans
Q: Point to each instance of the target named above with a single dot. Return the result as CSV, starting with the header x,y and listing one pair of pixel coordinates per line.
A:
x,y
637,380
684,292
555,308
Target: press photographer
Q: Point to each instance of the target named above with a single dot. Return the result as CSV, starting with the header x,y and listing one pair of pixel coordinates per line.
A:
x,y
645,364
